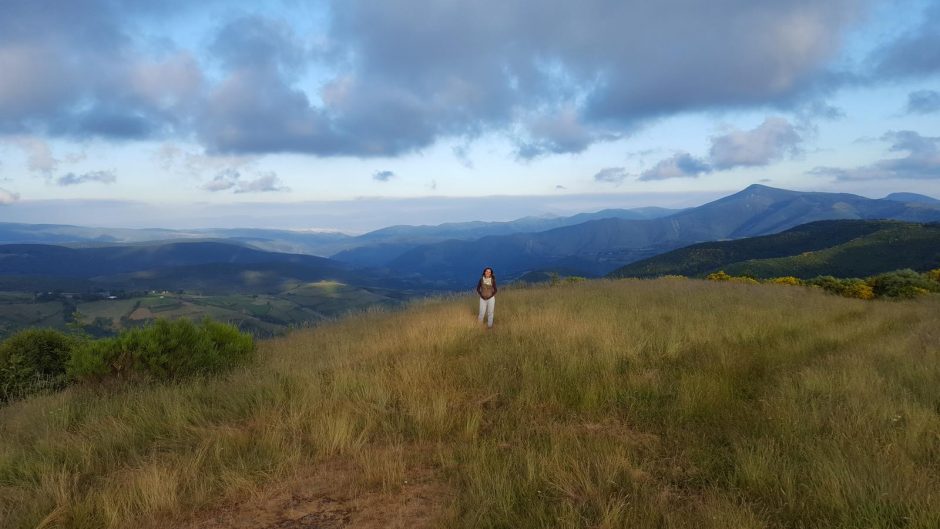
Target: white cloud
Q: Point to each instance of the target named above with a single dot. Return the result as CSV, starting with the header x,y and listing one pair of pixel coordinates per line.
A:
x,y
772,140
39,157
611,175
8,197
921,162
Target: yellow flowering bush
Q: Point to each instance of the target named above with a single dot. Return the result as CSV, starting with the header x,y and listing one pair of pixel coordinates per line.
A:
x,y
718,276
934,275
786,280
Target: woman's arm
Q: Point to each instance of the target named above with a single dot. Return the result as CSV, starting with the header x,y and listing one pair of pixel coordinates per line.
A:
x,y
480,287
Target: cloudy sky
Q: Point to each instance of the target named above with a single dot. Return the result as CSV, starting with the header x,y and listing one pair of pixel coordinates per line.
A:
x,y
320,114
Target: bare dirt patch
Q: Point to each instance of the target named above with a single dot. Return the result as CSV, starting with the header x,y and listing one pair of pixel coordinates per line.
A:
x,y
331,496
141,313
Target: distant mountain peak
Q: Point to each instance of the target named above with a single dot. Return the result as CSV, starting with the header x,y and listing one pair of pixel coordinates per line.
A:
x,y
761,188
912,197
758,191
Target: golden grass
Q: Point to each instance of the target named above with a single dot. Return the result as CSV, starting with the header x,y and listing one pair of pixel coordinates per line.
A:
x,y
596,404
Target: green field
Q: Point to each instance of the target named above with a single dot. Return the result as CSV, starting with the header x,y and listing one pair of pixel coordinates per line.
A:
x,y
301,304
18,315
663,403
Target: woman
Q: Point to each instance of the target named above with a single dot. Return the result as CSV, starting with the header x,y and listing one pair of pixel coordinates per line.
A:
x,y
486,288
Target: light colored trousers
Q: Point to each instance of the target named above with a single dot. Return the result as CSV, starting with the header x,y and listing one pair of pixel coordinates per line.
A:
x,y
486,307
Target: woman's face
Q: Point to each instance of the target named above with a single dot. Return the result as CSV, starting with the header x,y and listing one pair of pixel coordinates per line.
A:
x,y
487,273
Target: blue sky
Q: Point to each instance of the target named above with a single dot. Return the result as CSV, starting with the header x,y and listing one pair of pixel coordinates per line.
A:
x,y
356,114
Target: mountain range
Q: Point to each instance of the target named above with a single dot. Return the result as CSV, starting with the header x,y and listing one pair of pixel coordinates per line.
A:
x,y
598,247
447,256
200,266
320,243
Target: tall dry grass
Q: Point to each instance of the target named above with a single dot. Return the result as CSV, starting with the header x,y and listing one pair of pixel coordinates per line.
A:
x,y
599,404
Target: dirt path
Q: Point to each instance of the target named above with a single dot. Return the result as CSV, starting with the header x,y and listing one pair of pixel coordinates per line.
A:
x,y
328,497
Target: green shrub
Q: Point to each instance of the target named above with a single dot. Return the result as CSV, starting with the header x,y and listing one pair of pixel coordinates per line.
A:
x,y
850,288
164,350
904,284
827,283
32,361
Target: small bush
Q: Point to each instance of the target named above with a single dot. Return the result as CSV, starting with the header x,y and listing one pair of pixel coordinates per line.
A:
x,y
721,275
850,288
904,284
933,275
718,276
32,361
786,280
857,288
164,350
827,283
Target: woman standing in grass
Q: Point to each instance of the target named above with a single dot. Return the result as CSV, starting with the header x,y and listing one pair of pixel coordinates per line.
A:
x,y
486,288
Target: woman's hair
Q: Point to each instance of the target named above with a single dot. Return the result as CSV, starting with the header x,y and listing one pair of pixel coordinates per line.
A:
x,y
483,274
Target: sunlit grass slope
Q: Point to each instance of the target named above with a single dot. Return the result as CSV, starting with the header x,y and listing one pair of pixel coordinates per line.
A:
x,y
663,403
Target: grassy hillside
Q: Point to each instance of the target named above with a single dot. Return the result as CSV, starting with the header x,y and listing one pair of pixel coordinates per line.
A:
x,y
843,248
599,404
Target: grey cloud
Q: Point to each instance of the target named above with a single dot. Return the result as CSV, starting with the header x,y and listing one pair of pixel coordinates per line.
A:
x,y
555,76
71,179
462,153
225,179
8,197
816,110
383,176
258,42
923,102
231,179
558,133
772,140
254,111
681,165
611,175
77,72
492,62
113,123
922,160
915,53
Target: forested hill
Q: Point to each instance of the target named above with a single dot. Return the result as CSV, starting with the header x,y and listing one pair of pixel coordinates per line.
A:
x,y
842,248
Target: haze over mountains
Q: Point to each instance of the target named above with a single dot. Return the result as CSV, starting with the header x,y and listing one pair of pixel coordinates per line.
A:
x,y
600,246
321,243
443,256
